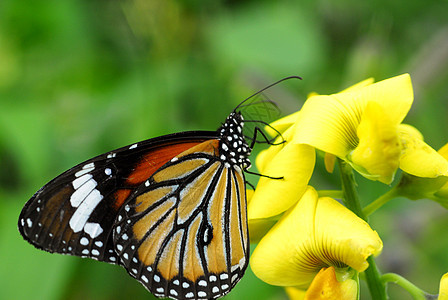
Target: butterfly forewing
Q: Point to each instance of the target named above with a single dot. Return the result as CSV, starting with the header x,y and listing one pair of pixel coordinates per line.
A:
x,y
171,210
74,213
184,233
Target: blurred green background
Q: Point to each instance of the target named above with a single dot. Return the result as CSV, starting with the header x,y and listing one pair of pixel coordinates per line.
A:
x,y
79,78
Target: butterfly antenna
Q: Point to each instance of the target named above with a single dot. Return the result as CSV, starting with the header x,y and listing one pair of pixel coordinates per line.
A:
x,y
265,88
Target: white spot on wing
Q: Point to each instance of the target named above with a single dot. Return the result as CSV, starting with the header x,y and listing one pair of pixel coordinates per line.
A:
x,y
81,193
86,169
84,241
85,209
81,180
93,229
133,146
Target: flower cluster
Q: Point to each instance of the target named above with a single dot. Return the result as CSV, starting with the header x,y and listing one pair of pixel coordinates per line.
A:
x,y
309,243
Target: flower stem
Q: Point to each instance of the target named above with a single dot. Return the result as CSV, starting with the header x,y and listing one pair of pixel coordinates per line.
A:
x,y
380,201
330,193
416,293
351,200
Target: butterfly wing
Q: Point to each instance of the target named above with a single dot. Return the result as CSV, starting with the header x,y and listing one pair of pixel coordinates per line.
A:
x,y
75,212
183,234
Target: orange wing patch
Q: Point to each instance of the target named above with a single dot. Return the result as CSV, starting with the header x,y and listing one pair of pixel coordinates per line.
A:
x,y
215,250
192,266
145,200
237,246
144,224
208,147
192,196
179,170
120,197
243,212
152,161
147,251
169,264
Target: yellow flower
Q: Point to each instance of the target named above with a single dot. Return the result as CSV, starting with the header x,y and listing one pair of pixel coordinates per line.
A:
x,y
418,158
315,233
426,171
443,289
293,163
359,125
327,285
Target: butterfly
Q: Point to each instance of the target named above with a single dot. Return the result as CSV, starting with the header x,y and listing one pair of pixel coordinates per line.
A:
x,y
171,210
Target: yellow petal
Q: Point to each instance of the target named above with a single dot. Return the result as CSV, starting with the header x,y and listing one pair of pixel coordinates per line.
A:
x,y
352,240
360,85
418,158
443,191
311,235
330,123
282,124
377,155
259,227
295,164
295,293
265,156
325,286
443,289
444,151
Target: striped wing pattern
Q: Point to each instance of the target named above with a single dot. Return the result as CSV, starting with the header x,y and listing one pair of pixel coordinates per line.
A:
x,y
171,210
75,212
184,233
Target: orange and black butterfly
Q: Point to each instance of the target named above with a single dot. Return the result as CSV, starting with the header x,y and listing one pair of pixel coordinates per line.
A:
x,y
171,210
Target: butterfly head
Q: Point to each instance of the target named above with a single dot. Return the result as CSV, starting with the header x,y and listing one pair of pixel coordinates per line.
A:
x,y
234,150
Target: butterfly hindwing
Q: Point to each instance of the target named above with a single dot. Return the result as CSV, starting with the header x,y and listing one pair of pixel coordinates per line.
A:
x,y
183,234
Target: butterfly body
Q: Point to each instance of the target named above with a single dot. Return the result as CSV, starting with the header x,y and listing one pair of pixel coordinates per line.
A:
x,y
170,210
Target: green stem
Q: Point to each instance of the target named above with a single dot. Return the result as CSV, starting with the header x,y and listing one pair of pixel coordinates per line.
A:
x,y
380,201
330,193
350,199
416,293
376,286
